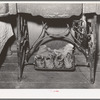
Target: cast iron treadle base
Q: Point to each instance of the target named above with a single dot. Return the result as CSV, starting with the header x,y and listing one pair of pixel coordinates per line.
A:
x,y
82,31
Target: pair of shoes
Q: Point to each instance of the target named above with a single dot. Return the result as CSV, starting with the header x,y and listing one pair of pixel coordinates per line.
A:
x,y
44,58
64,56
49,59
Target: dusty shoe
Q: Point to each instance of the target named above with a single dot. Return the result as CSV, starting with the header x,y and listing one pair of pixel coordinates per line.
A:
x,y
58,61
49,61
68,60
67,54
39,61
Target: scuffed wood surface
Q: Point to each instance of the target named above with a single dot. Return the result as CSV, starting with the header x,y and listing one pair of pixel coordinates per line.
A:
x,y
7,9
56,10
4,8
91,8
98,9
50,10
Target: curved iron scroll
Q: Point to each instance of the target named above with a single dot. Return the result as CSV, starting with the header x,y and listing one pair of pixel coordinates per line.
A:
x,y
83,33
46,37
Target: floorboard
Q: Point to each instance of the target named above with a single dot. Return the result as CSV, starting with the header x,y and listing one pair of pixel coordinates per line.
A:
x,y
33,79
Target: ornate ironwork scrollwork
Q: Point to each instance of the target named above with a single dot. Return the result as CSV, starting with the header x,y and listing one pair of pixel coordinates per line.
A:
x,y
84,39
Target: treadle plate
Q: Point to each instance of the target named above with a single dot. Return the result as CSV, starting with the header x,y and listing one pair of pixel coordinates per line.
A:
x,y
55,69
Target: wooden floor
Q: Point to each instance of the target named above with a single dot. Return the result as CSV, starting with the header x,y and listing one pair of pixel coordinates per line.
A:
x,y
33,79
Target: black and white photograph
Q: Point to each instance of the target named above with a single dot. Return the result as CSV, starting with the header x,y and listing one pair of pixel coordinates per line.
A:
x,y
49,45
